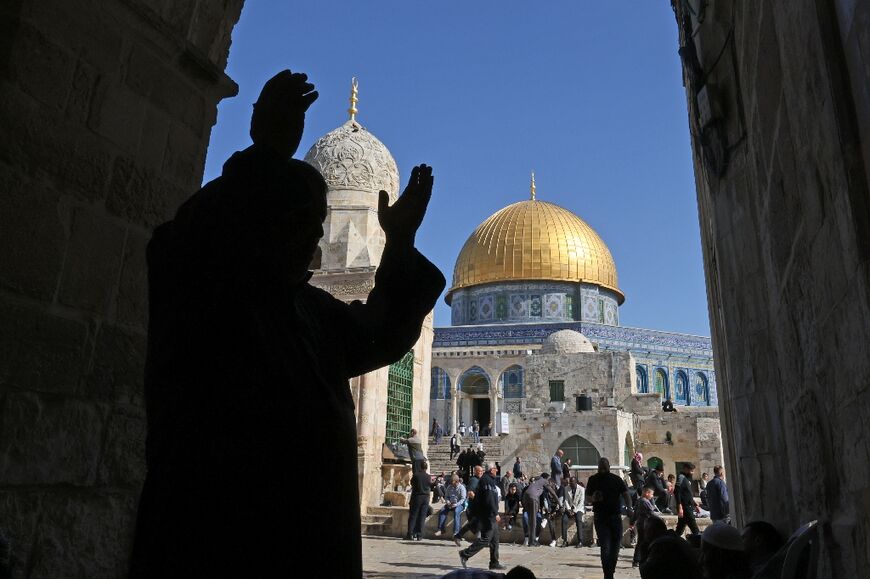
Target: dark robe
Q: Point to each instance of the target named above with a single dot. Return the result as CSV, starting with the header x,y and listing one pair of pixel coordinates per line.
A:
x,y
240,365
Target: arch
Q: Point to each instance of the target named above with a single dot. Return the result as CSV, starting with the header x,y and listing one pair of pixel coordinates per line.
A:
x,y
660,383
681,387
440,387
580,451
474,381
642,379
654,461
702,389
628,450
512,384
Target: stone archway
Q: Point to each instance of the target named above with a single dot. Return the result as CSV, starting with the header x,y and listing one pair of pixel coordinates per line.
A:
x,y
581,452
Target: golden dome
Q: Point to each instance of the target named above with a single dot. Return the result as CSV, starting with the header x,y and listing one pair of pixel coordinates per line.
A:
x,y
534,241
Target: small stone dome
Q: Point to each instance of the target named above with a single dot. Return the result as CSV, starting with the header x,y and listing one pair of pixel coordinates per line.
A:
x,y
350,157
566,342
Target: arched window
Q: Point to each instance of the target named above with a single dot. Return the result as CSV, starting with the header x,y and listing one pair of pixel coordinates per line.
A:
x,y
440,389
654,461
660,383
681,387
512,382
580,451
642,380
400,396
628,451
473,381
702,389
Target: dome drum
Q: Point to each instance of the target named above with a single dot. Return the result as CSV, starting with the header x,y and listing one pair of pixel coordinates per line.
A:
x,y
530,302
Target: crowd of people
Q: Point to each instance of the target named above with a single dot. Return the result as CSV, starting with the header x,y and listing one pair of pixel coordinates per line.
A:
x,y
549,503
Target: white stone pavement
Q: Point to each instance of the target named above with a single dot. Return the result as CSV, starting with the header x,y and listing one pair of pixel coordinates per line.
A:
x,y
391,558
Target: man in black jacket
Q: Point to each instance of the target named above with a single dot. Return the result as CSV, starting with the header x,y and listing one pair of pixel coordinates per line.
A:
x,y
686,507
660,493
243,353
484,508
420,489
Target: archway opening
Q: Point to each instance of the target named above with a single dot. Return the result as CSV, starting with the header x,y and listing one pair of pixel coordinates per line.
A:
x,y
581,452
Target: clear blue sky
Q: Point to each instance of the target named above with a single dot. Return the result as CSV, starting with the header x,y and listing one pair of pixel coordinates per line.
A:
x,y
588,94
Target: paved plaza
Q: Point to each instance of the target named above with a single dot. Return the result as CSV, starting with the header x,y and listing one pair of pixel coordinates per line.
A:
x,y
388,557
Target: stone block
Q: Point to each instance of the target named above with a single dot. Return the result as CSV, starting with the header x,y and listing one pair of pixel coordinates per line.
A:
x,y
43,69
184,158
82,90
140,195
89,29
28,211
118,367
117,114
65,434
152,142
123,459
85,535
178,14
40,352
93,262
19,511
132,302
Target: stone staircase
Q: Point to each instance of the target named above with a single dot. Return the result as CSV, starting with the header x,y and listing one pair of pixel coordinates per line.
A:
x,y
439,454
376,521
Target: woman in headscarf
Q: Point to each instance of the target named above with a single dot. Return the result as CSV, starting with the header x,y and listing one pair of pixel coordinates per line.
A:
x,y
637,472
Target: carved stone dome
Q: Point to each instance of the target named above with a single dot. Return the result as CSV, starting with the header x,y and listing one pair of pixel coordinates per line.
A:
x,y
566,342
352,158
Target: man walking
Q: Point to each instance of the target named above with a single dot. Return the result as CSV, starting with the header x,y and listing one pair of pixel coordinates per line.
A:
x,y
717,496
686,507
471,521
604,491
556,467
573,509
455,445
438,433
420,490
484,508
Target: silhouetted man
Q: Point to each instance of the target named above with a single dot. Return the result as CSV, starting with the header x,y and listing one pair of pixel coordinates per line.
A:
x,y
483,507
686,506
243,353
604,490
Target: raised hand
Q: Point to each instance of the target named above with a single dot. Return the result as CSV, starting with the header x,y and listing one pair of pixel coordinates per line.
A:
x,y
279,113
401,220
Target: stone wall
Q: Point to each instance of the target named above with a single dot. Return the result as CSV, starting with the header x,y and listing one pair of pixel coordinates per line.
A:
x,y
779,114
106,115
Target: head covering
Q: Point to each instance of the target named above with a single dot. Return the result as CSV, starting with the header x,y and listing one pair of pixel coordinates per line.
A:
x,y
723,536
638,457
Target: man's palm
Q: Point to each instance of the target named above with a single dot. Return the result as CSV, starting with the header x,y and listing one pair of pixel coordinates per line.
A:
x,y
401,220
